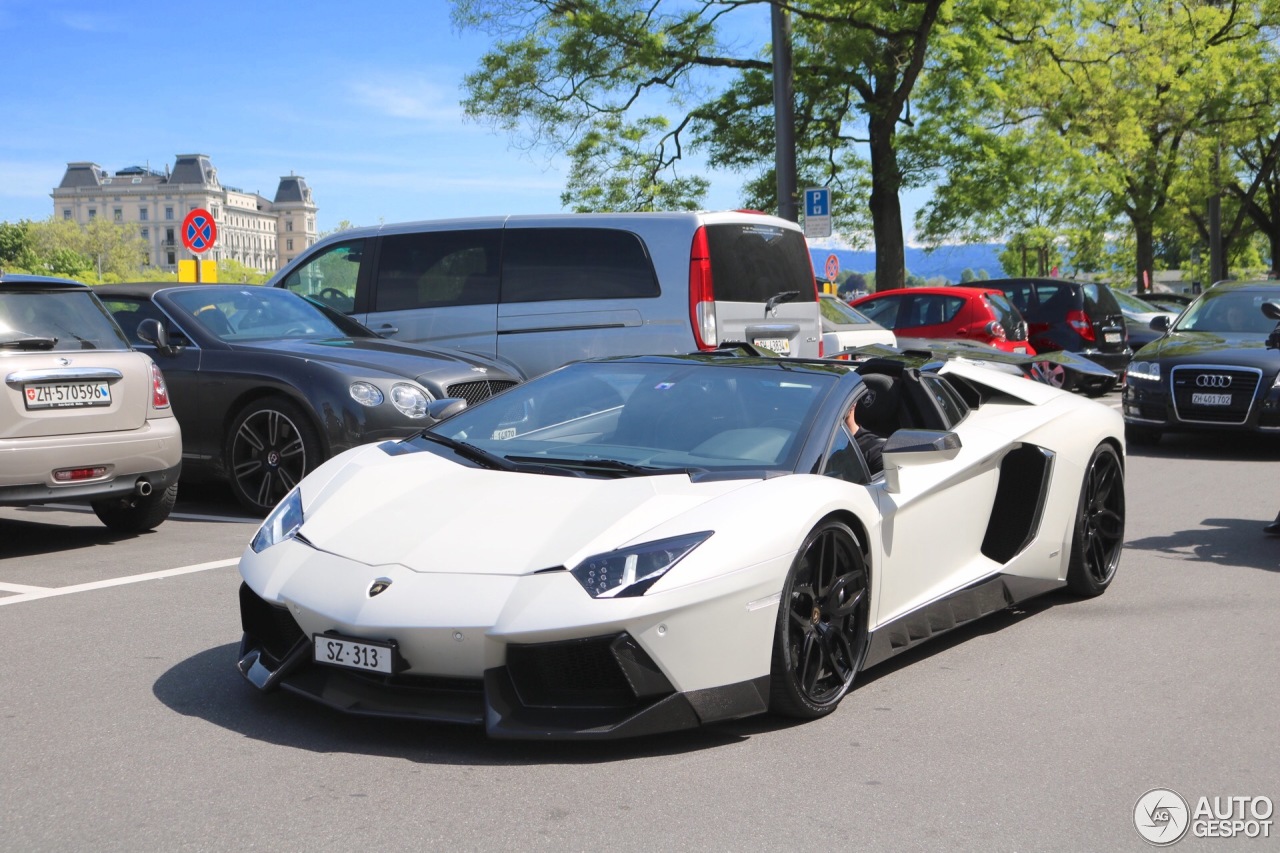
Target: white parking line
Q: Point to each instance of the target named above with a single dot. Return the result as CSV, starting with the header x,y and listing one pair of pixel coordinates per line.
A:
x,y
31,593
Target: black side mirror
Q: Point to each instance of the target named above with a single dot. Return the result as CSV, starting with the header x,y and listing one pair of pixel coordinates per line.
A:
x,y
1271,310
1160,323
154,333
446,407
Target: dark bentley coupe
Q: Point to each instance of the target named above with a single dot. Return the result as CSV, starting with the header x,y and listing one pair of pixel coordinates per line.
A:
x,y
267,384
1216,367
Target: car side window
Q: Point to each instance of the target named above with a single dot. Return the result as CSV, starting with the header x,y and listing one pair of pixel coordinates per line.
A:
x,y
545,264
883,311
128,313
330,276
953,406
844,460
436,269
933,310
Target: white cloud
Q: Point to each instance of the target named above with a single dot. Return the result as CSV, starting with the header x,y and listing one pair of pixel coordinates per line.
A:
x,y
421,100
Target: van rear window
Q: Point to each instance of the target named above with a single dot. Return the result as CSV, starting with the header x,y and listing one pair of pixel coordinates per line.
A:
x,y
545,264
755,262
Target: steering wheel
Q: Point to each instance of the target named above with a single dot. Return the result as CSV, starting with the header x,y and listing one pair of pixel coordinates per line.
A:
x,y
332,293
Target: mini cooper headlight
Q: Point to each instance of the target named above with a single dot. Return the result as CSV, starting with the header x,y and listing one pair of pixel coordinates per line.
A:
x,y
410,400
1149,370
281,524
631,571
366,394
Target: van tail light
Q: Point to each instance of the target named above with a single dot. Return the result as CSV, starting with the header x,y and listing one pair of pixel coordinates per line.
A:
x,y
159,391
995,331
702,294
1079,321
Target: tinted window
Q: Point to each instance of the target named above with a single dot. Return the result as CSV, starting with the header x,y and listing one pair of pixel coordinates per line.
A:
x,y
883,311
128,313
73,319
437,268
330,276
952,404
544,264
753,263
1004,312
1098,300
932,310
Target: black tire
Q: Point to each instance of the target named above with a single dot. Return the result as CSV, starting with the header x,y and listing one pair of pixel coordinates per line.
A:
x,y
135,513
270,447
821,636
1098,537
1142,435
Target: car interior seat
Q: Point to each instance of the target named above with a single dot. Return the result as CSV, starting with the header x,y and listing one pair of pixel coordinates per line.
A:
x,y
212,318
878,410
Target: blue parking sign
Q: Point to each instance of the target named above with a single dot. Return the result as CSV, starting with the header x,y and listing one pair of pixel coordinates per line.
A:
x,y
817,202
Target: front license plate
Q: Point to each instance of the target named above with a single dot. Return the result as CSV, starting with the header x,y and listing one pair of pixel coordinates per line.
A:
x,y
1111,337
782,346
1211,399
353,654
66,395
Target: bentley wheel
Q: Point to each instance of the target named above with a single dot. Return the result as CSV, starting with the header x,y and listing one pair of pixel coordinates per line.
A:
x,y
270,447
821,636
1099,531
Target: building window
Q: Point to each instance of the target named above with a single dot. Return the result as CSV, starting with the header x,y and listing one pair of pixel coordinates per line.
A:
x,y
146,233
117,214
170,256
93,213
288,244
288,225
66,213
168,237
168,213
142,215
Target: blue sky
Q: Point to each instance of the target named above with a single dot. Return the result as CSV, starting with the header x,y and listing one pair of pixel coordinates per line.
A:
x,y
361,99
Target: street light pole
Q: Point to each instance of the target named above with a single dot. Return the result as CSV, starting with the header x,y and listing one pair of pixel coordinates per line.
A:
x,y
784,114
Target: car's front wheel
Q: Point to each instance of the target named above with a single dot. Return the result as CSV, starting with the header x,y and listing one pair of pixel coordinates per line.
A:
x,y
270,447
821,635
136,513
1098,537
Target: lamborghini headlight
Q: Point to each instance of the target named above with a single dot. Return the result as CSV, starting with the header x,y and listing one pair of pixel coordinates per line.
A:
x,y
410,400
281,524
632,570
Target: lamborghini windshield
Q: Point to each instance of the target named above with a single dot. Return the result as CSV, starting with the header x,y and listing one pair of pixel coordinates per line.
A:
x,y
631,417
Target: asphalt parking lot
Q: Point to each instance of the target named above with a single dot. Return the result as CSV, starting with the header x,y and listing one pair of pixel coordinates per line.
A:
x,y
127,727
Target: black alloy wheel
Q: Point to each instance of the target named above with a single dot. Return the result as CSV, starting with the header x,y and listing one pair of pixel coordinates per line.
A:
x,y
821,636
1098,538
271,446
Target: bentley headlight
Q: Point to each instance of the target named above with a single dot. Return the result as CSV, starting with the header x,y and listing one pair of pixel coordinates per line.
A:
x,y
1149,370
366,394
632,570
281,524
410,400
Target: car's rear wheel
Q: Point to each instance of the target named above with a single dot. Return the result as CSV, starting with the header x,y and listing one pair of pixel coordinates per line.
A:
x,y
1052,373
136,513
1098,537
271,446
821,635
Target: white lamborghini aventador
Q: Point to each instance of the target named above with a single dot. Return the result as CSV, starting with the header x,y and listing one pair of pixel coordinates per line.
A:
x,y
644,544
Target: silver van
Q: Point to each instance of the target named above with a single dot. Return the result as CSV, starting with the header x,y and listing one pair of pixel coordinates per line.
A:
x,y
542,291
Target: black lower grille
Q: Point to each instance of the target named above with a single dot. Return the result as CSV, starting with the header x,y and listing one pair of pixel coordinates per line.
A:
x,y
271,626
1231,390
597,672
474,392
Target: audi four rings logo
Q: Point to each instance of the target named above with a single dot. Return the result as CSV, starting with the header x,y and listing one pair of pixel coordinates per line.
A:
x,y
1213,380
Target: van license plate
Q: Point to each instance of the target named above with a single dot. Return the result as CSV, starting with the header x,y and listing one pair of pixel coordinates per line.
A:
x,y
1211,399
65,395
782,346
352,654
1111,337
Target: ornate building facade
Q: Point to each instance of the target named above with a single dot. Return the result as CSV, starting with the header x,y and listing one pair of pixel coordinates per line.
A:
x,y
263,234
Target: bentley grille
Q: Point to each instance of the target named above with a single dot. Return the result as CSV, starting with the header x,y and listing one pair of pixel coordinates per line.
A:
x,y
474,392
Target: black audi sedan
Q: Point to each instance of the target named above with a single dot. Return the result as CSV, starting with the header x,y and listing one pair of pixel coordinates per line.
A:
x,y
1211,369
267,384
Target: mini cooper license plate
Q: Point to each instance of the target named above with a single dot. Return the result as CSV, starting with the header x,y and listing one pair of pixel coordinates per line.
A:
x,y
66,395
1211,399
782,346
1111,337
353,654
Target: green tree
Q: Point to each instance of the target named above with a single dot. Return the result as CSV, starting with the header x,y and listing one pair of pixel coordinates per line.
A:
x,y
231,271
597,78
16,251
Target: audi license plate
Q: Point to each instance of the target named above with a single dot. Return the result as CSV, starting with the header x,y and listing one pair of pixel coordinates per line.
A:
x,y
1111,337
782,346
353,654
1211,399
65,395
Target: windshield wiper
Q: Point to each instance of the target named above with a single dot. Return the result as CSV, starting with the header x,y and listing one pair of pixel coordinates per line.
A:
x,y
469,451
778,298
603,466
29,342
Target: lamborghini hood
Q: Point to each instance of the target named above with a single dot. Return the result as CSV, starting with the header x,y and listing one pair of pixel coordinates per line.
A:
x,y
431,514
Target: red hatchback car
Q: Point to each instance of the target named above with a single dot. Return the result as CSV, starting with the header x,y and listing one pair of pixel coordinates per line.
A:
x,y
950,313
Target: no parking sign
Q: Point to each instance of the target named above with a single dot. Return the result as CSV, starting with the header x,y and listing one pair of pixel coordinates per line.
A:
x,y
199,231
